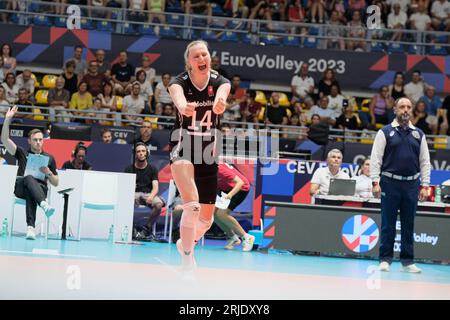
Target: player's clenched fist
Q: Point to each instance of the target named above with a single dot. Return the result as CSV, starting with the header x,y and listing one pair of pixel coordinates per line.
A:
x,y
189,109
220,106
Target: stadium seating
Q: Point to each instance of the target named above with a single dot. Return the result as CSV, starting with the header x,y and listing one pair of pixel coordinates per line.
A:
x,y
42,20
49,81
269,40
376,47
291,41
119,103
395,48
146,29
208,35
175,19
167,32
60,22
42,97
105,26
310,42
261,98
86,24
229,36
437,50
128,28
284,100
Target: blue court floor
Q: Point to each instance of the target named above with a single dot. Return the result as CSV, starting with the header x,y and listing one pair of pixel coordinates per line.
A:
x,y
88,269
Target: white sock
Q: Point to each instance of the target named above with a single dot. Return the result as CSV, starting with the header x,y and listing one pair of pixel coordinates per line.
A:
x,y
234,237
246,236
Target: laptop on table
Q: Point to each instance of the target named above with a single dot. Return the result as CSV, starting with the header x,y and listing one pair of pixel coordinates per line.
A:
x,y
342,187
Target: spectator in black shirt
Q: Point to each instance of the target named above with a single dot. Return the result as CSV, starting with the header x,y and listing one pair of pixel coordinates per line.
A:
x,y
328,80
122,74
79,159
32,188
145,137
275,113
22,101
168,112
147,186
70,77
215,65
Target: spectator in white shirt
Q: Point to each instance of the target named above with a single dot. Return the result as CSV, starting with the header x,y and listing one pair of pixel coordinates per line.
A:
x,y
335,101
363,181
404,4
440,13
320,182
134,103
397,20
162,95
415,89
302,85
326,115
11,87
24,80
420,20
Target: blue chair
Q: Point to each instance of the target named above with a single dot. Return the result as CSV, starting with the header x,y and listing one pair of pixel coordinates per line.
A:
x,y
442,39
247,38
167,32
217,10
198,22
86,24
33,7
314,31
310,42
22,202
208,35
128,28
236,25
413,49
175,19
175,7
229,36
395,48
105,26
42,20
146,29
60,22
376,47
269,40
437,50
291,41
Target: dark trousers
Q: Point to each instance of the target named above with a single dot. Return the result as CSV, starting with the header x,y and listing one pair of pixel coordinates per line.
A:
x,y
403,196
33,192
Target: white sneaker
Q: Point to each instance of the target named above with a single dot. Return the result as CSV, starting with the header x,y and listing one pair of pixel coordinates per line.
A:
x,y
231,243
187,260
30,233
48,210
247,245
412,268
384,266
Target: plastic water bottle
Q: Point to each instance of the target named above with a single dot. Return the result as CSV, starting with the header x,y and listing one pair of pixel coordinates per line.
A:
x,y
125,233
5,228
437,194
111,234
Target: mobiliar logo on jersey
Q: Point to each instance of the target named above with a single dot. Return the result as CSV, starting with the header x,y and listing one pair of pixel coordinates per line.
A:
x,y
360,233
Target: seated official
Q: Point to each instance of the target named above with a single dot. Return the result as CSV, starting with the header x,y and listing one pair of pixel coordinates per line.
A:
x,y
79,159
147,187
32,189
363,187
320,182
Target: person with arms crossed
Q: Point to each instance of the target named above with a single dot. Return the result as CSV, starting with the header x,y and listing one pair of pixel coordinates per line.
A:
x,y
200,96
33,190
399,157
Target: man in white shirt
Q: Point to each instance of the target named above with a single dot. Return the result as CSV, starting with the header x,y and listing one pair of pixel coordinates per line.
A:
x,y
420,20
415,89
397,20
404,4
440,13
320,182
133,103
162,96
326,115
302,85
335,101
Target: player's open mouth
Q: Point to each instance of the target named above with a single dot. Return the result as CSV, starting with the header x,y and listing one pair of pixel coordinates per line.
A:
x,y
201,68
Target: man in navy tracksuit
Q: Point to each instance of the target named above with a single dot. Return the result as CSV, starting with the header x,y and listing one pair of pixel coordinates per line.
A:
x,y
399,156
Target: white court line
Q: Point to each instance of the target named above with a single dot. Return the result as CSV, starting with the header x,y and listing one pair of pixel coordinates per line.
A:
x,y
168,266
41,252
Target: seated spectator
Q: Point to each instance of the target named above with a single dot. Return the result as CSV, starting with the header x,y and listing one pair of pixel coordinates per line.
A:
x,y
4,104
238,8
198,7
71,79
278,9
326,115
24,80
420,20
104,67
356,5
237,95
339,7
9,62
149,71
404,4
316,8
108,99
320,182
122,74
215,65
397,20
414,90
356,30
162,95
2,70
296,12
318,131
106,135
146,91
96,9
276,114
363,187
397,88
440,12
294,131
133,104
420,118
380,108
80,101
335,33
156,9
24,100
94,79
168,111
328,80
336,101
11,87
100,118
249,108
147,186
78,161
436,115
80,64
348,120
58,99
302,85
136,10
145,136
260,11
